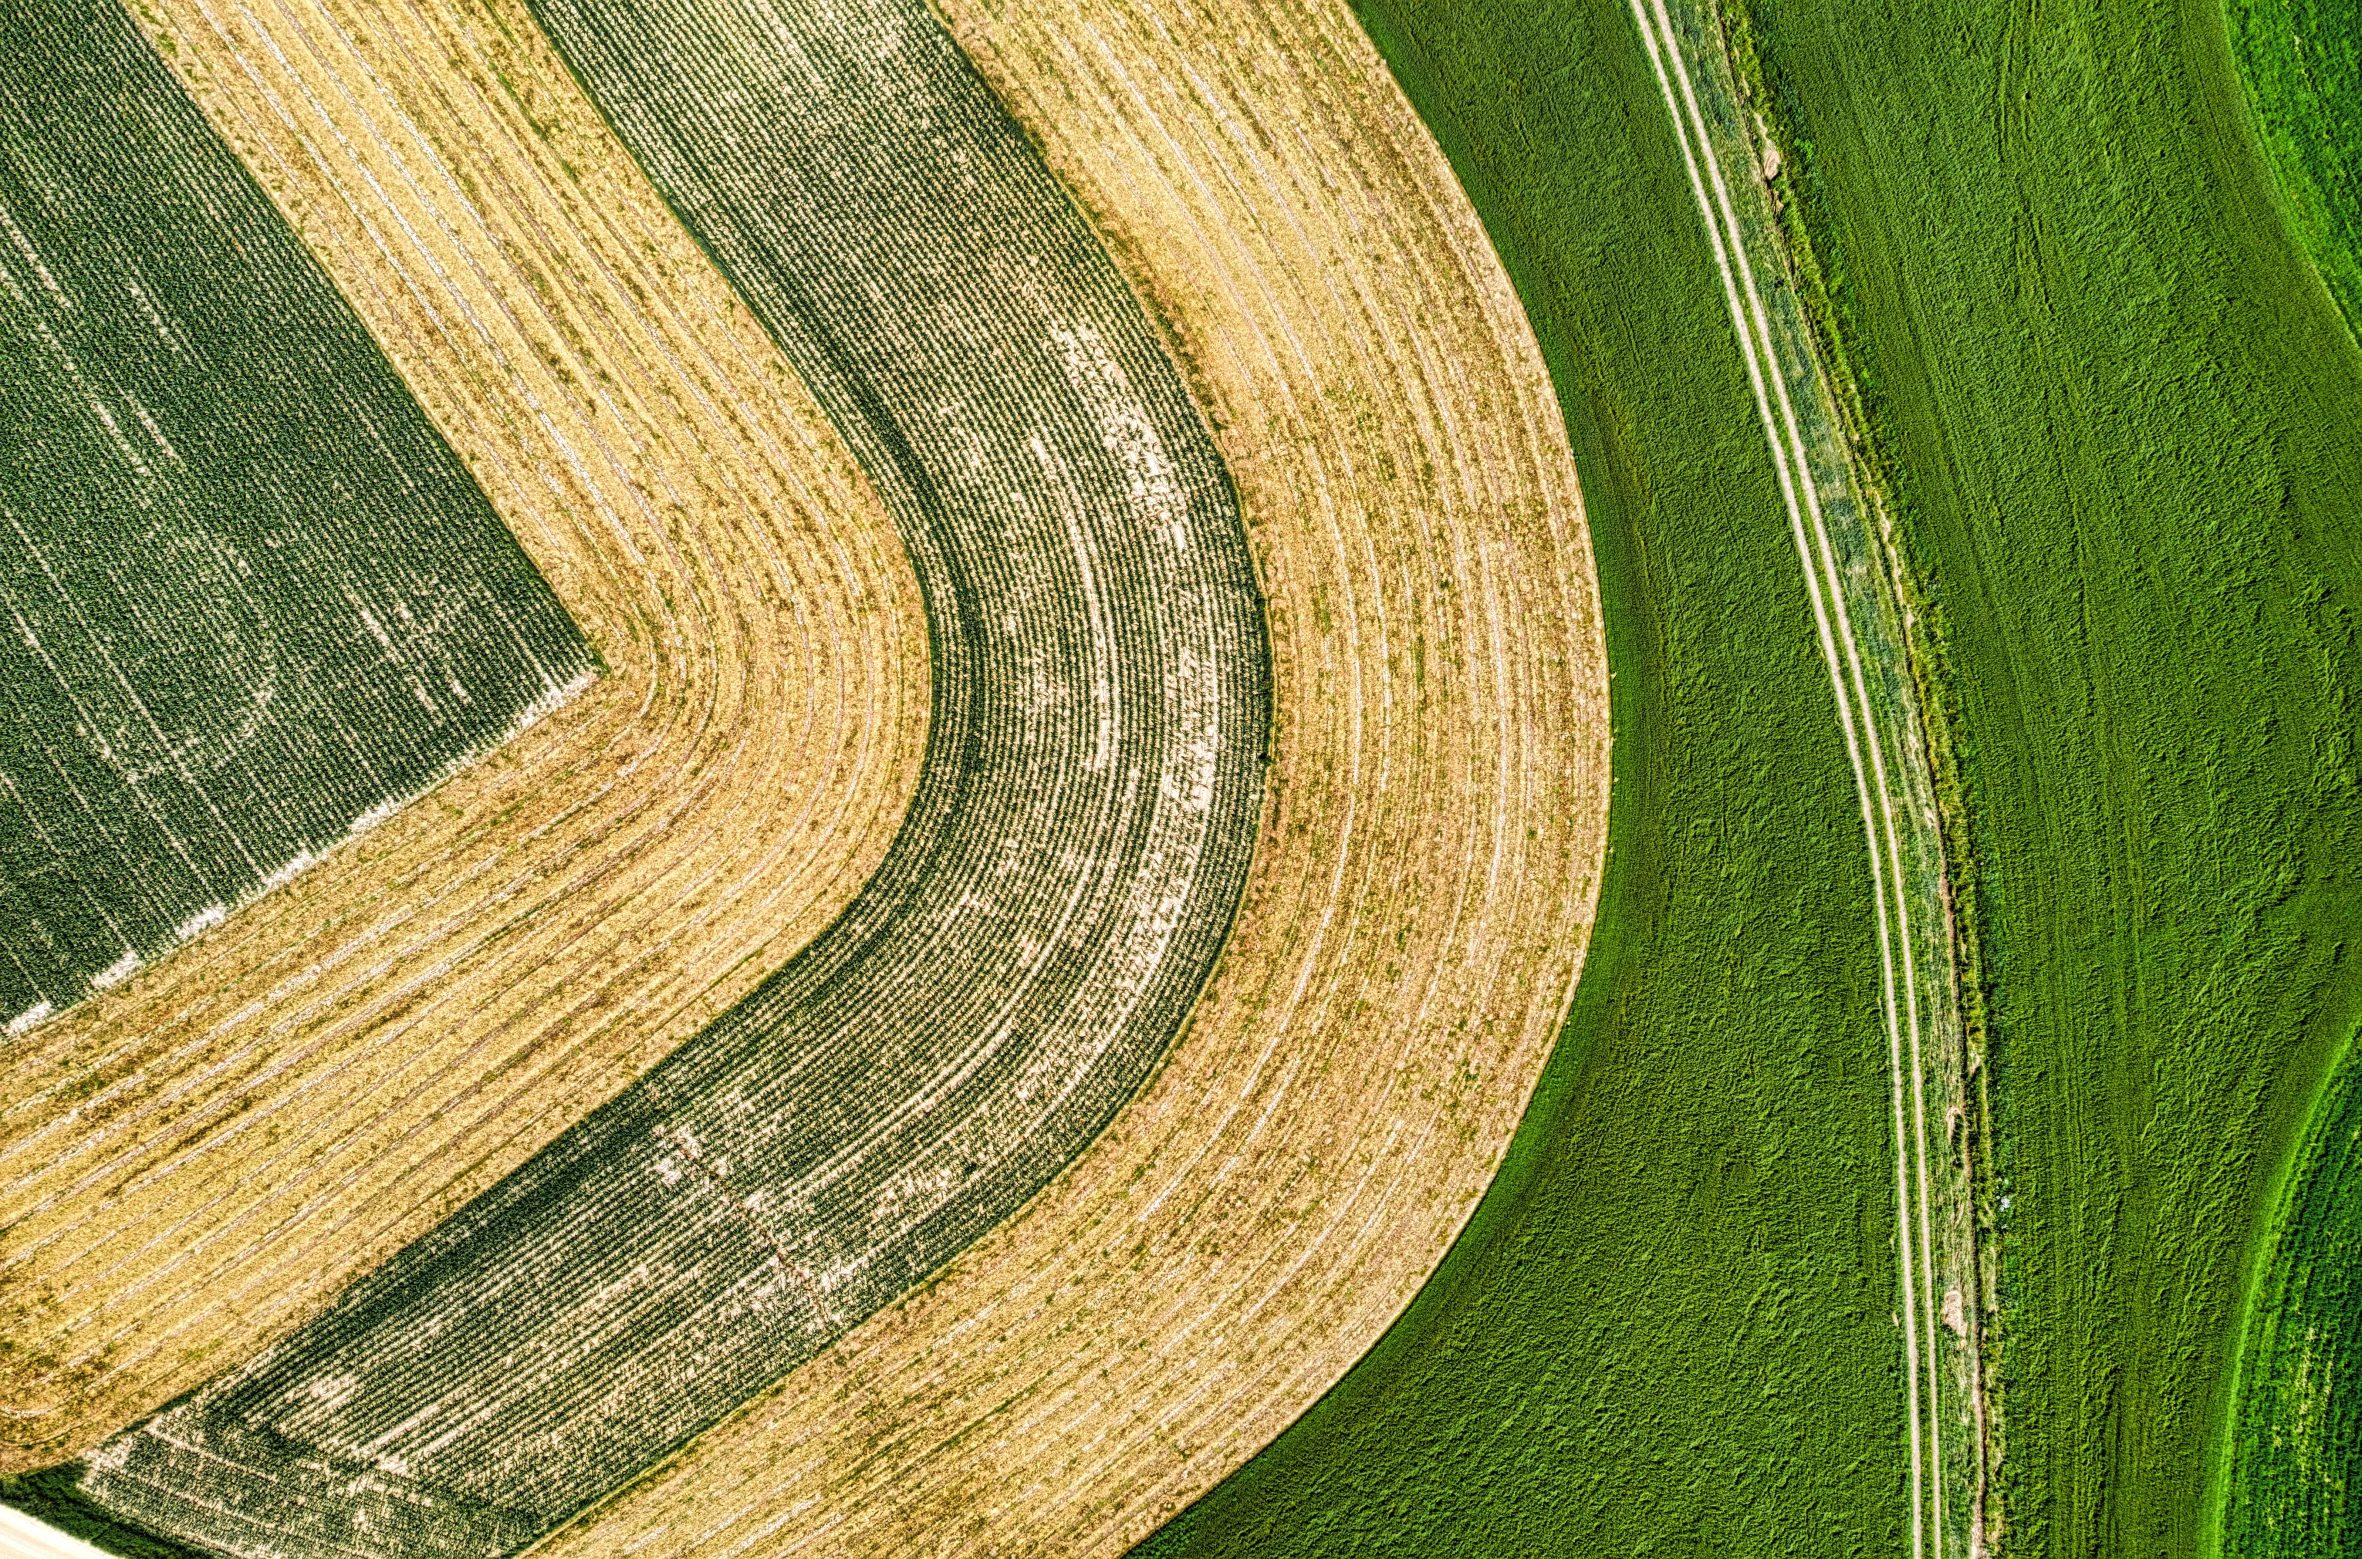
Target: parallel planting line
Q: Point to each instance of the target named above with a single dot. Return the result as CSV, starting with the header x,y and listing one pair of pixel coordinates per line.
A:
x,y
1069,867
1422,890
252,602
1841,652
201,1156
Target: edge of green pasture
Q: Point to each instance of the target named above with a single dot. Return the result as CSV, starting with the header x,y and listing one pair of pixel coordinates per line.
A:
x,y
2295,116
2305,113
2345,1072
2098,1471
1636,890
2284,113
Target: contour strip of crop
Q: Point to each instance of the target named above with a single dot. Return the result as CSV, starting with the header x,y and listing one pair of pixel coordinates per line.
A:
x,y
1849,583
1068,870
195,1161
254,603
1419,899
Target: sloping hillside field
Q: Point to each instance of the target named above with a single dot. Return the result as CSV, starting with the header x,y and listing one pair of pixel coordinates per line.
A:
x,y
1243,882
253,601
1069,865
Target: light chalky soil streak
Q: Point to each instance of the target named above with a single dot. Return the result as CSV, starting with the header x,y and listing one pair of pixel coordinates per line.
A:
x,y
1065,877
249,600
1420,898
197,1160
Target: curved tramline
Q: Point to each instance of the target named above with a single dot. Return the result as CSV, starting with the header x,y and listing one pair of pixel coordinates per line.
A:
x,y
1885,801
1069,866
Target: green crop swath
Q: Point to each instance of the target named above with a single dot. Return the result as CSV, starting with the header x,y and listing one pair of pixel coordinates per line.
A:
x,y
2294,1480
248,598
2302,62
1069,867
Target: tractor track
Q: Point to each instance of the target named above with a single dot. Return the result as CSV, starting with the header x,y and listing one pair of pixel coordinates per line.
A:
x,y
1889,817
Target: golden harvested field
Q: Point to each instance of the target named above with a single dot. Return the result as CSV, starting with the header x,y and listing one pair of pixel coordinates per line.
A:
x,y
194,1161
210,1153
1422,888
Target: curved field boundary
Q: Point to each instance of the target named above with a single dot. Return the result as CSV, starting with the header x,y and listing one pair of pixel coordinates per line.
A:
x,y
197,1160
1857,618
1069,868
2285,1480
1421,892
2301,64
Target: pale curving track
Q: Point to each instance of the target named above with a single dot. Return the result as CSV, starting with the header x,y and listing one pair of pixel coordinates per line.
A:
x,y
198,1159
1421,893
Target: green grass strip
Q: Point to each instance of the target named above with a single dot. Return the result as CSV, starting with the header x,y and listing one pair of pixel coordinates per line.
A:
x,y
2302,61
2294,1485
2120,417
1670,1325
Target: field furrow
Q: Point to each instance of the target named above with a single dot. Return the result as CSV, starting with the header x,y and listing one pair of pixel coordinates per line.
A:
x,y
199,1158
1421,891
253,604
1069,868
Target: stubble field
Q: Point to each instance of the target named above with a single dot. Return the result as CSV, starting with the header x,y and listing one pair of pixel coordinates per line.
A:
x,y
1423,880
207,1153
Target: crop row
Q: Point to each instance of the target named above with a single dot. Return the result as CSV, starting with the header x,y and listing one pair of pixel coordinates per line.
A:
x,y
252,599
201,1157
1418,902
1068,869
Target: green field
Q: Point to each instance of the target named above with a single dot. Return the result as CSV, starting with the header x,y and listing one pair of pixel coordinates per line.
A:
x,y
2122,420
1054,898
247,594
2289,1478
2119,414
2293,1479
2302,62
1670,1327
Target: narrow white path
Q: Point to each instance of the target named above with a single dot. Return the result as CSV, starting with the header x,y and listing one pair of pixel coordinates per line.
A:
x,y
22,1537
1847,680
